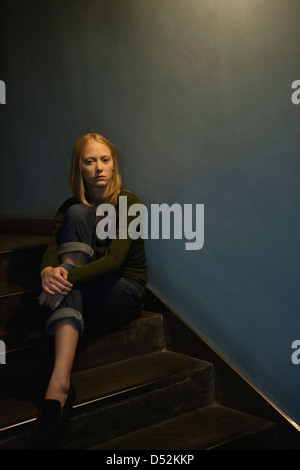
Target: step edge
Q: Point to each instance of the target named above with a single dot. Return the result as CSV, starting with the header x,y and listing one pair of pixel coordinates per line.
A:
x,y
25,249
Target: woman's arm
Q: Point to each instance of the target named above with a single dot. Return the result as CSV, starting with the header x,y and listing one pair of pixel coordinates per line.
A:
x,y
110,263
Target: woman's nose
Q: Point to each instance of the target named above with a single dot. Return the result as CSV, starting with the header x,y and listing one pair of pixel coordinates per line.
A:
x,y
99,166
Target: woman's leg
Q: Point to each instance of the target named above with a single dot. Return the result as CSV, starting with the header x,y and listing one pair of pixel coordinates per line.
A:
x,y
77,231
112,302
66,336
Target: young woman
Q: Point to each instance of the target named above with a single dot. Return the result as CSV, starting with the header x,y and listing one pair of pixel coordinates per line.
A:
x,y
87,279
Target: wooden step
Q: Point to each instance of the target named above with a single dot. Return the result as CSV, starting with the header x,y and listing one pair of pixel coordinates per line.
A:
x,y
30,361
117,398
213,427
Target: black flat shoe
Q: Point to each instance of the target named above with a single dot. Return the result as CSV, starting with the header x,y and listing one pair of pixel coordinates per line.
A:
x,y
53,418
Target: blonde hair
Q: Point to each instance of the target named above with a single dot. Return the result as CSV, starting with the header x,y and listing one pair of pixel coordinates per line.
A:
x,y
77,183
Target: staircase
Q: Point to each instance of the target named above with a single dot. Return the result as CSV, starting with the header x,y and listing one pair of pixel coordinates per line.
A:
x,y
132,393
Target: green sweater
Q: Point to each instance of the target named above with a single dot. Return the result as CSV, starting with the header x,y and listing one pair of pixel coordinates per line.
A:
x,y
123,257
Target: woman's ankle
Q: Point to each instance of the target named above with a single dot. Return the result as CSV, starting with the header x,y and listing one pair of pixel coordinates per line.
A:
x,y
58,390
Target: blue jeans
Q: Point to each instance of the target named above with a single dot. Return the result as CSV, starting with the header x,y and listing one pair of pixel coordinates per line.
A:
x,y
112,301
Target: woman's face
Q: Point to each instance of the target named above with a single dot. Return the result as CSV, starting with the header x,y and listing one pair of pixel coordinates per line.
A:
x,y
97,165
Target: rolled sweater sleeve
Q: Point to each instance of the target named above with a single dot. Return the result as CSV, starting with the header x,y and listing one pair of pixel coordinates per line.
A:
x,y
110,263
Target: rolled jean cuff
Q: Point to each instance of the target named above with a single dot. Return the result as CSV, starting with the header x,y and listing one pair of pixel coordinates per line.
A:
x,y
67,266
65,313
70,247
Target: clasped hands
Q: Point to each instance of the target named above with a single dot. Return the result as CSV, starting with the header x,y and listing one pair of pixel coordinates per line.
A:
x,y
55,286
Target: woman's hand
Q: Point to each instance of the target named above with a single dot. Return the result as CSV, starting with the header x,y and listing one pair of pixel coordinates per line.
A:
x,y
51,301
55,280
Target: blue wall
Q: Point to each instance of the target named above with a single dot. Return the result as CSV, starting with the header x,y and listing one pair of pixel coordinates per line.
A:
x,y
197,97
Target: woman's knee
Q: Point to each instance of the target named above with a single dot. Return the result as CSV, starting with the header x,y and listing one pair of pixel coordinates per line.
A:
x,y
121,303
79,212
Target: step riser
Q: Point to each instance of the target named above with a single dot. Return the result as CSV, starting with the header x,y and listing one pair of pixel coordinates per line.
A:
x,y
140,337
19,312
33,226
21,264
115,416
32,364
25,368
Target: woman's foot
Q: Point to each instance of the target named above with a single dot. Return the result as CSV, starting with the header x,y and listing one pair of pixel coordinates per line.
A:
x,y
53,418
